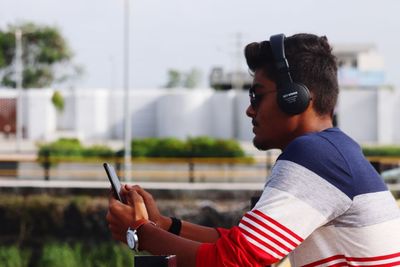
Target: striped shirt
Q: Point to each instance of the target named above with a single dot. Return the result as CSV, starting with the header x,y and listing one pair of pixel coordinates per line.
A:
x,y
323,205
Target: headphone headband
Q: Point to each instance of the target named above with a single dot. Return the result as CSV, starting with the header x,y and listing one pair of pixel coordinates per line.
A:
x,y
281,63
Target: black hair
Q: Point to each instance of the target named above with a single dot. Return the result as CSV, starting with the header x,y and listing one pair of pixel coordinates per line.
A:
x,y
311,63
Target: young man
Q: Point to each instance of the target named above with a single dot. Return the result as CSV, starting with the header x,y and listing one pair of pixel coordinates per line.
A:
x,y
323,204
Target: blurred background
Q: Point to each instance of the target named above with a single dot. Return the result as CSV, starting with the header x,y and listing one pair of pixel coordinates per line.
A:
x,y
159,90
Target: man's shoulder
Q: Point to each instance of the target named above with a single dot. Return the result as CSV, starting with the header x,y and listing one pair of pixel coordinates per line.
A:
x,y
320,145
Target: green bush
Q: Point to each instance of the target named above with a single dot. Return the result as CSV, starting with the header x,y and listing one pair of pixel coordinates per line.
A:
x,y
41,217
12,256
72,147
143,147
58,101
192,147
64,147
56,254
384,151
98,151
169,147
146,147
209,147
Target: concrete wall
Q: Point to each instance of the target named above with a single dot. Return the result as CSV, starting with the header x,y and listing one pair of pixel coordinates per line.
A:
x,y
357,114
369,116
39,114
183,113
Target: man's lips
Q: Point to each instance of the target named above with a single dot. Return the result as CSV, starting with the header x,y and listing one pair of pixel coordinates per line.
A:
x,y
254,125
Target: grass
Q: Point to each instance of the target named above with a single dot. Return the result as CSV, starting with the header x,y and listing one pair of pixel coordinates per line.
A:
x,y
68,255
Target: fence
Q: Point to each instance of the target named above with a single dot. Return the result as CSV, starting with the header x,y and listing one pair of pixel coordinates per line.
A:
x,y
144,169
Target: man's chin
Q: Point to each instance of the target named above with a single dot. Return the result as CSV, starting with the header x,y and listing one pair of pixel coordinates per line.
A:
x,y
259,145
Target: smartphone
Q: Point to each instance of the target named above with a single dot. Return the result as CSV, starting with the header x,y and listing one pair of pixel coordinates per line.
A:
x,y
114,180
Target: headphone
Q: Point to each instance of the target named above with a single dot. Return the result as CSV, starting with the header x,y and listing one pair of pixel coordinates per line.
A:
x,y
293,98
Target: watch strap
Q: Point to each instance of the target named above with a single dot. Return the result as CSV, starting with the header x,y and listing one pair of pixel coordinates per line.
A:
x,y
176,226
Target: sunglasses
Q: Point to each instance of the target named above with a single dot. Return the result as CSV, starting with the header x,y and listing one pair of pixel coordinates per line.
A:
x,y
255,99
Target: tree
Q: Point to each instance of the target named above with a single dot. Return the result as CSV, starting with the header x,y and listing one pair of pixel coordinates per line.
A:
x,y
192,78
189,79
174,78
46,56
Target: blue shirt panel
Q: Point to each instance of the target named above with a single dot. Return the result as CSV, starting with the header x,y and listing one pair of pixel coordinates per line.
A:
x,y
335,157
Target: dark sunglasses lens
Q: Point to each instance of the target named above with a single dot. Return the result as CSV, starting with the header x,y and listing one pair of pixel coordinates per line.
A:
x,y
253,99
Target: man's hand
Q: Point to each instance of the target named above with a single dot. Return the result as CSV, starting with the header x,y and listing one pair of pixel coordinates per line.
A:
x,y
120,216
151,206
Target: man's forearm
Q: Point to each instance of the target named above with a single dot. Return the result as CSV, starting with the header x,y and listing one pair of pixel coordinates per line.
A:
x,y
192,231
199,233
159,242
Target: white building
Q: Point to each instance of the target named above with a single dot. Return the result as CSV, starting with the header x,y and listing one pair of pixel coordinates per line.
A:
x,y
369,116
366,108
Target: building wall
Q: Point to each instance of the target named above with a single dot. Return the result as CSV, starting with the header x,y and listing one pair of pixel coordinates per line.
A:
x,y
357,114
369,116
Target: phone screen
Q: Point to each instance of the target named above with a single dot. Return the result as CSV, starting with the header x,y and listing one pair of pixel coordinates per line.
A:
x,y
114,180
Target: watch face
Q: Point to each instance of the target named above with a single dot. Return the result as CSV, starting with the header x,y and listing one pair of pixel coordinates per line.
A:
x,y
132,239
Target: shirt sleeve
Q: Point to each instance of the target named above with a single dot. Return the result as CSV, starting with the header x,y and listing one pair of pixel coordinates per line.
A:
x,y
232,249
222,231
294,203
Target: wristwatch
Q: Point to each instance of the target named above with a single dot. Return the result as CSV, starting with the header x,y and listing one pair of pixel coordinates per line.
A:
x,y
132,239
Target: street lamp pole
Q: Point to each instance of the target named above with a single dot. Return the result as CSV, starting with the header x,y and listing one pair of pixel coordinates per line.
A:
x,y
127,121
18,77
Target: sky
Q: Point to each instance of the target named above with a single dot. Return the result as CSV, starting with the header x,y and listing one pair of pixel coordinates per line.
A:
x,y
202,34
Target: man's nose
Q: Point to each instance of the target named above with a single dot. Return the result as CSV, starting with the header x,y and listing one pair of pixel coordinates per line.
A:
x,y
250,112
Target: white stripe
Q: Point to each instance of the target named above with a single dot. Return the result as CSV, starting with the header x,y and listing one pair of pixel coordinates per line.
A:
x,y
375,262
337,261
277,203
269,242
267,250
379,239
283,232
268,232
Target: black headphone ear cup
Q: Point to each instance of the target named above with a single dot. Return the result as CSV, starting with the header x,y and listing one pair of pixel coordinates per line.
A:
x,y
293,98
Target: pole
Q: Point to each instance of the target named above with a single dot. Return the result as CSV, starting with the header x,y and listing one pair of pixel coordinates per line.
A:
x,y
127,122
18,79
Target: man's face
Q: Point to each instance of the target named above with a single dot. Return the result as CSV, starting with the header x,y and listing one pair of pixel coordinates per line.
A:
x,y
272,128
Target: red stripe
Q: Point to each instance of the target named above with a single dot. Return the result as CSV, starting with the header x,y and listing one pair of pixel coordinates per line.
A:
x,y
287,230
369,259
273,240
385,257
326,260
393,264
269,228
263,243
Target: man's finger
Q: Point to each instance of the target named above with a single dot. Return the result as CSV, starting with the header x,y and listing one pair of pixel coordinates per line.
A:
x,y
111,219
134,197
119,237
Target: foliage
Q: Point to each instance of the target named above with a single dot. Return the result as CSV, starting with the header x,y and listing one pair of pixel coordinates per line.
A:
x,y
72,147
384,151
192,147
45,55
209,147
43,217
12,256
174,78
98,151
61,147
146,147
190,79
78,254
169,147
58,101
